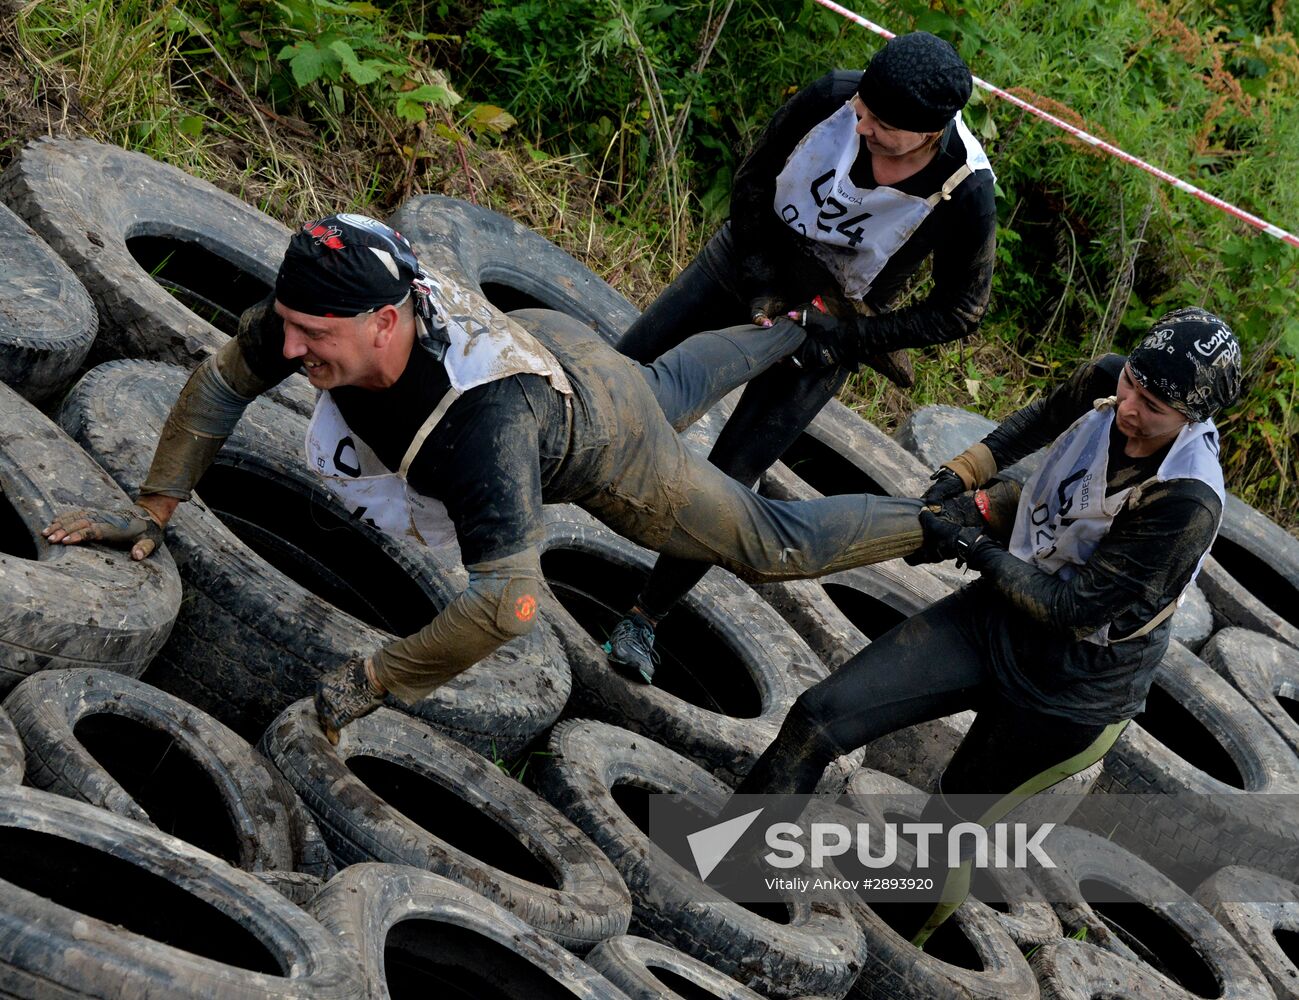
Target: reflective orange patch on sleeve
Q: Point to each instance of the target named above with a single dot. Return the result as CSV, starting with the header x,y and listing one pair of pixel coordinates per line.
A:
x,y
525,608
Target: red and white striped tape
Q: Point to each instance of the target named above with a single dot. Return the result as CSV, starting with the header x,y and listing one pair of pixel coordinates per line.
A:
x,y
1092,140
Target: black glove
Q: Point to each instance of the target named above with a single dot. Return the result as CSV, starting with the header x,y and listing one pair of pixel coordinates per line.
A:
x,y
830,340
947,539
963,510
765,307
133,528
945,485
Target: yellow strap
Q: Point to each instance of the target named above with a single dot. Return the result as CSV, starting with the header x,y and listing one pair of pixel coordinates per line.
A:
x,y
426,428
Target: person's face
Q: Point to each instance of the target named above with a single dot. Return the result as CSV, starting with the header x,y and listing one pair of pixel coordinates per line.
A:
x,y
1142,416
334,350
882,139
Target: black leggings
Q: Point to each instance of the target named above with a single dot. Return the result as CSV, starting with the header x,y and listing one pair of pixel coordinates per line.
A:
x,y
930,666
773,411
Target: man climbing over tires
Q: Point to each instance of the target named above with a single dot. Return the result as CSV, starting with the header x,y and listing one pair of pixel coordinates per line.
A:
x,y
440,417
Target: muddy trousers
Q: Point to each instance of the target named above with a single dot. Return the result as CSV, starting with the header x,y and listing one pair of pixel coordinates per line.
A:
x,y
659,494
776,407
930,666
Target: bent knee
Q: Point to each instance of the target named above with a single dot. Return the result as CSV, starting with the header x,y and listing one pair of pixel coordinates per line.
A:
x,y
517,606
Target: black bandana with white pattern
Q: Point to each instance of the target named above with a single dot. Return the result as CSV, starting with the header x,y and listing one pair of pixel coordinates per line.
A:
x,y
1191,360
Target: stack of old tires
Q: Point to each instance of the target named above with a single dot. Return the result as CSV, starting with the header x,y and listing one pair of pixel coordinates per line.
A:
x,y
173,823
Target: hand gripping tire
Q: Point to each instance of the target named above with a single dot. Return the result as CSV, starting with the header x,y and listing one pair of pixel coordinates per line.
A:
x,y
395,790
170,260
1254,907
730,667
510,265
47,321
414,933
1195,759
648,970
1121,904
127,747
69,605
250,639
93,904
820,949
1263,670
11,753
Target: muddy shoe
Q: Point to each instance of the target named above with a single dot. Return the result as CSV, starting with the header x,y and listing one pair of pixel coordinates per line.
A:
x,y
344,695
631,646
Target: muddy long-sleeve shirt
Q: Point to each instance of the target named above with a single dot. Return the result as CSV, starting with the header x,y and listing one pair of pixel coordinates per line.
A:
x,y
498,449
960,232
1142,564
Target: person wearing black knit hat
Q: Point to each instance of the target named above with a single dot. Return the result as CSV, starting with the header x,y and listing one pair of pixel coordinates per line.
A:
x,y
1056,644
856,181
440,418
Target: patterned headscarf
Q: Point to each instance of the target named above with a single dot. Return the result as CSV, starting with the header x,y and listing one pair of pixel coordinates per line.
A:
x,y
1191,360
346,265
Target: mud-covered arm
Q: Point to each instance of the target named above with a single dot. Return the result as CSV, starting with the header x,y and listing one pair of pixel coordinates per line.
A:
x,y
1141,565
483,463
964,252
212,401
752,217
1043,420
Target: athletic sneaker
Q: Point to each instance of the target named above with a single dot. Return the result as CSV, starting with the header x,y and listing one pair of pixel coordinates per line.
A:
x,y
631,645
344,695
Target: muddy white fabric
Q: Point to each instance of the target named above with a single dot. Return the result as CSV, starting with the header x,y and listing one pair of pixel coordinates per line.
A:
x,y
1064,511
856,230
484,345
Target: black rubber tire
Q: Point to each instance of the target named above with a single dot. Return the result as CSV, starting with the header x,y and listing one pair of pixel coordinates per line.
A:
x,y
1262,556
1254,906
453,813
299,888
807,608
1233,604
820,950
1075,970
1156,924
94,203
648,970
842,453
169,754
596,574
838,614
93,904
47,321
1192,622
250,640
919,754
938,432
1263,670
69,605
11,752
1024,915
452,941
1190,819
212,253
509,264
